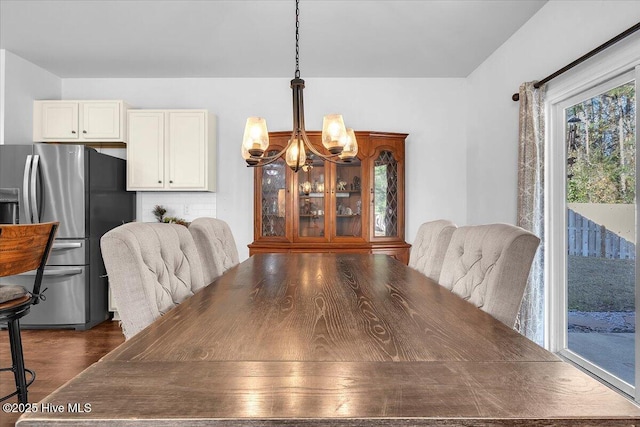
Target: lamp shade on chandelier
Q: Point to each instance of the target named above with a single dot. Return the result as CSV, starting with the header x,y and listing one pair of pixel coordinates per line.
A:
x,y
339,141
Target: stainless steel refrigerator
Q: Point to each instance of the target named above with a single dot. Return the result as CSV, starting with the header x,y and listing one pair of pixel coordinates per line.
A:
x,y
86,192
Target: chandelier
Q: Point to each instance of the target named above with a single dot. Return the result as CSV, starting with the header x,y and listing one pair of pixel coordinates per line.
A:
x,y
340,142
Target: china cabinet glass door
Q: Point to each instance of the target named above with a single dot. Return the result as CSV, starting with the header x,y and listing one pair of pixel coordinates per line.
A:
x,y
348,202
273,218
312,188
385,195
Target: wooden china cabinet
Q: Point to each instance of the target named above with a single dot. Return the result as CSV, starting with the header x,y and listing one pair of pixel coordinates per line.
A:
x,y
352,207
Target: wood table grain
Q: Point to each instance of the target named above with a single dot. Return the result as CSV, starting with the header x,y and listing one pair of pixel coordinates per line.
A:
x,y
331,339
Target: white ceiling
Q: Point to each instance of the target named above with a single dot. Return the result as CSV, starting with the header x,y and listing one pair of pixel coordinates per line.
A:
x,y
255,38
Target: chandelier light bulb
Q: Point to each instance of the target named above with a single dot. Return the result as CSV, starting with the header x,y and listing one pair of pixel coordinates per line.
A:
x,y
333,133
256,136
350,147
296,155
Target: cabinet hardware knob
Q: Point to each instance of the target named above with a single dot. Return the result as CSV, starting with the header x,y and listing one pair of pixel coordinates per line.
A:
x,y
159,182
170,182
84,131
73,131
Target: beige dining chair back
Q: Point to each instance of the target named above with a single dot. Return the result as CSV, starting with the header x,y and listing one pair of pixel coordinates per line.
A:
x,y
488,265
216,246
151,267
430,246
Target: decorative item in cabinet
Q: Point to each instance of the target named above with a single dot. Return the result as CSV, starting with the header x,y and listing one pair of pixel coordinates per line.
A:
x,y
333,207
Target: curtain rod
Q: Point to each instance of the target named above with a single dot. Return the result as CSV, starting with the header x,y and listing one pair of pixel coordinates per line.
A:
x,y
616,39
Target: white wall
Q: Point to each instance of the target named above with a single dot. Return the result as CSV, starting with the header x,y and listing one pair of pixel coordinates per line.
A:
x,y
428,109
559,33
23,82
3,57
462,147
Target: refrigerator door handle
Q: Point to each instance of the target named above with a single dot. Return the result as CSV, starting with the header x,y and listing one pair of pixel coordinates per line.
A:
x,y
61,246
34,181
54,273
25,189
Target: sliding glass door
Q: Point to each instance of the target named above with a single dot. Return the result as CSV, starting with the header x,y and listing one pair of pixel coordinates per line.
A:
x,y
591,263
599,135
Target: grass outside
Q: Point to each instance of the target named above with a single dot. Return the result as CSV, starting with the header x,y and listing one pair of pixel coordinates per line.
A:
x,y
601,284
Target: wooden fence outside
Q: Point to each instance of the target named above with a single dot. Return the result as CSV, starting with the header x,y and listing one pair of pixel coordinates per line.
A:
x,y
586,238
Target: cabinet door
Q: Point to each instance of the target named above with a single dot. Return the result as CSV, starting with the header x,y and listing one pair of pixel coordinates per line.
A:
x,y
101,120
186,150
59,120
311,189
273,204
348,204
145,151
387,210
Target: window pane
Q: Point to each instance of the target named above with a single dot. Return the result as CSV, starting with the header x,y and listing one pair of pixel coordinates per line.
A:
x,y
601,157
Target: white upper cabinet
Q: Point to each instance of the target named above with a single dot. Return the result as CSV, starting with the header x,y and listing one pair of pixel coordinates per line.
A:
x,y
171,150
79,121
186,149
145,150
59,120
101,121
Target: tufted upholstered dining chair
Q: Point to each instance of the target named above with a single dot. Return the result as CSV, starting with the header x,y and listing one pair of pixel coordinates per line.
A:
x,y
216,246
488,265
152,267
429,247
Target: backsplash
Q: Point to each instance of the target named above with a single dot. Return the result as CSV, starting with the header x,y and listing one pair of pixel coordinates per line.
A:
x,y
188,205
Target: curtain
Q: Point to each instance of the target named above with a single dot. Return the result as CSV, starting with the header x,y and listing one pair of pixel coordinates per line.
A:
x,y
530,321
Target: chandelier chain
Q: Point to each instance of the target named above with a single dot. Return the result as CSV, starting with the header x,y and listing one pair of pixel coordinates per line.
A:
x,y
299,149
297,74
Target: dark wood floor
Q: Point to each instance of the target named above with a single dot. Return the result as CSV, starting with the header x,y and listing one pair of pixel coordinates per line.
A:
x,y
56,356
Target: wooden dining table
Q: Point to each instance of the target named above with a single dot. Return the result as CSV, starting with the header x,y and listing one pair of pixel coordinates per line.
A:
x,y
330,340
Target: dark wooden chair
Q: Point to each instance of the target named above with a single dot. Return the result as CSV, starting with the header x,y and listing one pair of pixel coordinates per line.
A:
x,y
22,248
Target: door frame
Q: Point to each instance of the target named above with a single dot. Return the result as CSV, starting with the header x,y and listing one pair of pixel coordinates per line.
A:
x,y
614,65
